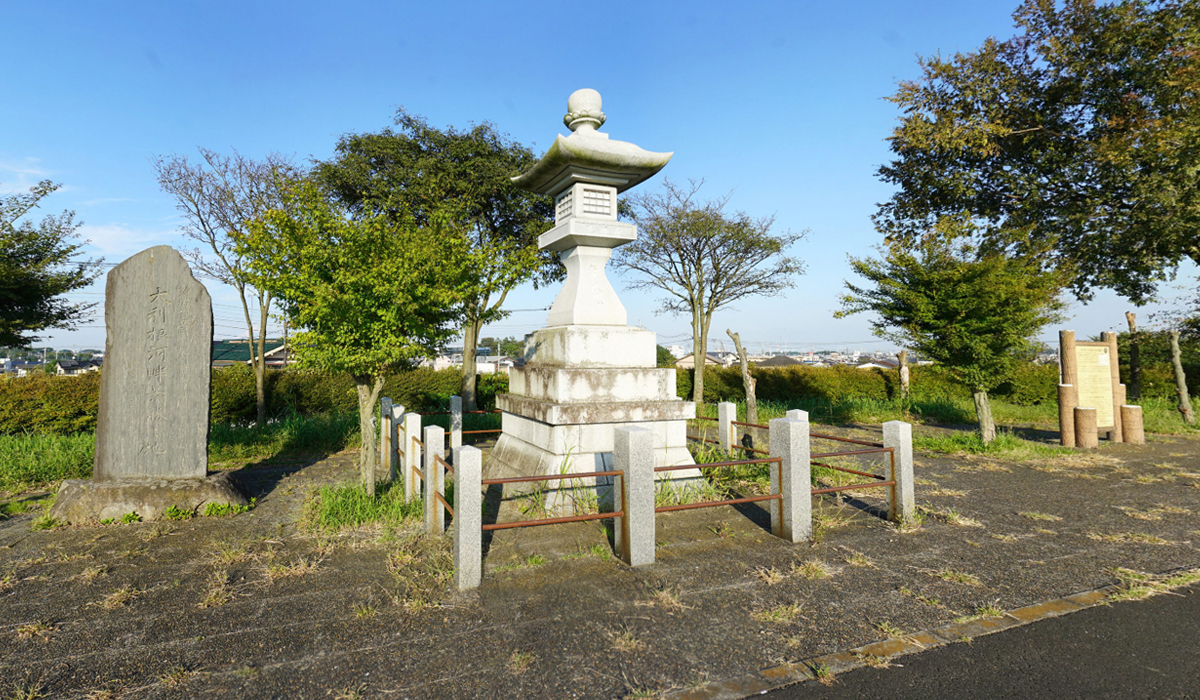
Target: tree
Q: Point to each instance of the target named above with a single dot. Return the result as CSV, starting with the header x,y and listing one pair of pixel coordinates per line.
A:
x,y
1078,138
369,294
38,264
971,311
703,258
219,196
663,357
463,179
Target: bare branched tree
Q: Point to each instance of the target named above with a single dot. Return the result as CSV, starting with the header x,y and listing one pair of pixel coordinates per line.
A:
x,y
703,258
218,196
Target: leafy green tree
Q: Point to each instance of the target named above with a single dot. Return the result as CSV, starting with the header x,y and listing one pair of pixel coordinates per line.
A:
x,y
973,312
1077,138
368,294
219,196
664,358
39,263
703,258
462,178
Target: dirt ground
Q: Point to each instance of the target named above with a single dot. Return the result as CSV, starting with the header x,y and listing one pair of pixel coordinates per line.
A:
x,y
255,606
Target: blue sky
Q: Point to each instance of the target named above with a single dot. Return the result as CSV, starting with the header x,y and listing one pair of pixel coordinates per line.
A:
x,y
781,104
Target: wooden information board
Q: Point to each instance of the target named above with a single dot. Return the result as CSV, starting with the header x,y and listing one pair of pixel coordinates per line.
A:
x,y
1095,387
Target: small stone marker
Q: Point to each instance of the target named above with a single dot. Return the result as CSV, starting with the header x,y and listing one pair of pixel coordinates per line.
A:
x,y
152,426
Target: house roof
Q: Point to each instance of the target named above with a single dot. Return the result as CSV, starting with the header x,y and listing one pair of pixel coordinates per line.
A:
x,y
779,361
68,365
231,351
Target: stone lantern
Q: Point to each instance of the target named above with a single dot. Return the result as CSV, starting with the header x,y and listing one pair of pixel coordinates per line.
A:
x,y
588,372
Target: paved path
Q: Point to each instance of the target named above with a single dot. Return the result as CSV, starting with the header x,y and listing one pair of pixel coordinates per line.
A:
x,y
1147,649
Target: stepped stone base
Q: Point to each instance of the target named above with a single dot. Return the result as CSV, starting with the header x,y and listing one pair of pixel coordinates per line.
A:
x,y
84,500
579,384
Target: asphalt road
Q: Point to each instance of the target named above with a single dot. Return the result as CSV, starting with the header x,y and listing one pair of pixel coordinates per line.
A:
x,y
1146,649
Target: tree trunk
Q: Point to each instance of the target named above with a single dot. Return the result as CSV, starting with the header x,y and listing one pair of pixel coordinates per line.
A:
x,y
699,355
470,343
747,380
260,366
1181,388
1135,359
368,388
903,359
983,411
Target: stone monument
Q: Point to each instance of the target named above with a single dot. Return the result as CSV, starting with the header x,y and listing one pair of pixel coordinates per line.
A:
x,y
152,426
588,372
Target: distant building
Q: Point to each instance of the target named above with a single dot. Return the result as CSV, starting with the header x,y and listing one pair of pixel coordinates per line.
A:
x,y
74,368
234,352
24,369
878,363
780,361
689,361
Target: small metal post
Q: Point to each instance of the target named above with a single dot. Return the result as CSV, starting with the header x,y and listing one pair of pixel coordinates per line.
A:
x,y
456,425
633,456
468,518
726,414
435,446
791,519
902,503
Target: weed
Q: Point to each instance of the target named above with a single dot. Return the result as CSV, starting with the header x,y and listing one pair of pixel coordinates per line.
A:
x,y
228,553
35,629
300,567
825,520
1032,515
218,592
217,510
339,508
812,569
28,691
365,611
45,521
958,577
8,582
721,529
353,692
520,661
769,576
823,675
600,551
856,558
946,493
668,599
120,597
131,517
101,694
1004,538
932,602
875,661
950,516
175,677
150,533
779,614
624,640
1127,537
174,512
889,629
91,573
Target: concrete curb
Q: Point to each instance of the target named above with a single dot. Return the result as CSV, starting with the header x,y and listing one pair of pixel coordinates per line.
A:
x,y
775,677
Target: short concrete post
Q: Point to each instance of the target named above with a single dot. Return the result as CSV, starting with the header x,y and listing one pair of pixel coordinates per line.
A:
x,y
456,425
468,518
791,516
411,433
797,414
394,435
435,446
1131,423
902,500
726,414
385,432
1087,434
633,455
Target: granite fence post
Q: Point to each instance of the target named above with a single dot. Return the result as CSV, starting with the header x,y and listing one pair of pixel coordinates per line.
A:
x,y
797,414
791,515
468,518
435,446
633,456
902,502
385,434
411,432
726,414
456,425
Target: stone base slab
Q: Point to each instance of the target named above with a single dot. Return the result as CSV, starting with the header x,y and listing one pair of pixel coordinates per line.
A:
x,y
591,347
84,500
577,385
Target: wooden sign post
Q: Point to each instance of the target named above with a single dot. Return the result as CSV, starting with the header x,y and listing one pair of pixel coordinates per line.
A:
x,y
1090,379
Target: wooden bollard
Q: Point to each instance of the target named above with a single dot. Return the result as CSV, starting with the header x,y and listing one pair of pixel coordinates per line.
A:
x,y
1087,434
1131,423
1067,400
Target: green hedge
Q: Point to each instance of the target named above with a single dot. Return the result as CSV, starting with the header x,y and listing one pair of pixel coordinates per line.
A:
x,y
47,404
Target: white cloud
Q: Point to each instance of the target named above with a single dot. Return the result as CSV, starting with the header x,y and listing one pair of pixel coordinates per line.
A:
x,y
116,242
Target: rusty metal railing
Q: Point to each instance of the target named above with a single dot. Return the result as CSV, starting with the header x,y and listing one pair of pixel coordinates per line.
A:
x,y
552,521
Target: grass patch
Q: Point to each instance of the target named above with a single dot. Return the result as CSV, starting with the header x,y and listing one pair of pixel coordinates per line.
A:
x,y
337,508
1005,445
1127,538
812,569
520,661
1136,585
39,461
958,577
780,613
1033,515
320,434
